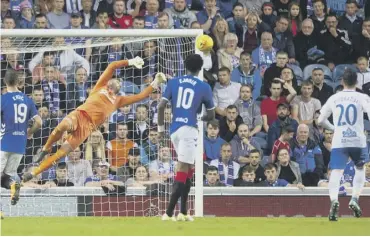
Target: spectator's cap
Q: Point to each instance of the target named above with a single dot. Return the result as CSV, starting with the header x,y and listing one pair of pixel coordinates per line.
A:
x,y
352,1
134,152
267,4
75,14
285,105
25,4
103,163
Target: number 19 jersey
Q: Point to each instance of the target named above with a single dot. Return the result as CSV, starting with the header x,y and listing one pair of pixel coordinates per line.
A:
x,y
16,110
187,94
348,108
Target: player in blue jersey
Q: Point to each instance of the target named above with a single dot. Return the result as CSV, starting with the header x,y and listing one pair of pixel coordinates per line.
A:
x,y
17,110
186,94
349,140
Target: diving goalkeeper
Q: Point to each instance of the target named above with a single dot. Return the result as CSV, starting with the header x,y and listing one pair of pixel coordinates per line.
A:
x,y
103,101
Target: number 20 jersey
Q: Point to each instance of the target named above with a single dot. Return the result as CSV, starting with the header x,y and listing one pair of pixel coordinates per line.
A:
x,y
348,108
16,110
187,94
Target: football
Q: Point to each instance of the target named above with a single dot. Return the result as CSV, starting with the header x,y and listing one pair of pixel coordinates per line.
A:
x,y
204,43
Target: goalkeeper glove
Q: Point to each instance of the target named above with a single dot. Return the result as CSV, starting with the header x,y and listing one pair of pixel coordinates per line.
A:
x,y
136,62
160,78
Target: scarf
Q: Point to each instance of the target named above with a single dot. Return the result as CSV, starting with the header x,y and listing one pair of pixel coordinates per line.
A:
x,y
230,172
71,7
51,94
264,60
151,21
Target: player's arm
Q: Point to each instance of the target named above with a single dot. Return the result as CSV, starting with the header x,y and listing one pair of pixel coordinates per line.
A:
x,y
209,104
36,120
167,95
325,112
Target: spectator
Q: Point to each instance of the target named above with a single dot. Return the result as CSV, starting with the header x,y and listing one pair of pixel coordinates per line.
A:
x,y
218,33
123,114
288,170
325,146
249,110
226,8
149,148
307,7
139,129
138,22
212,142
164,21
5,10
26,19
38,72
361,42
230,123
307,106
242,144
38,97
163,168
120,20
316,129
274,71
318,16
227,168
36,182
213,178
119,147
335,43
102,21
61,179
88,14
78,90
128,171
41,22
308,155
265,54
151,14
95,147
290,85
141,178
57,18
272,179
255,6
229,54
283,120
268,15
150,67
350,21
226,92
182,17
282,7
8,23
247,178
295,18
287,134
78,168
103,179
321,90
283,39
363,75
255,160
207,17
75,22
238,20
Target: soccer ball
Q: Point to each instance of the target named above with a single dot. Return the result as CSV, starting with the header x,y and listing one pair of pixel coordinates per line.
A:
x,y
204,43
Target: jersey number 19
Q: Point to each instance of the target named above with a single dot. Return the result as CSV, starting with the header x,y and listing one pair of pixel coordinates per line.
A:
x,y
20,113
185,98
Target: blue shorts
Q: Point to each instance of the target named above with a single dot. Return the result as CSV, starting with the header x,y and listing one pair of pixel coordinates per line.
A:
x,y
339,157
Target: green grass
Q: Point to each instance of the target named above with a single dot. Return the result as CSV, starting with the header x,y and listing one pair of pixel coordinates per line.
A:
x,y
201,226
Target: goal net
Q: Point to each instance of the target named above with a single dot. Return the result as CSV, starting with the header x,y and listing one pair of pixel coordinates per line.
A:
x,y
57,69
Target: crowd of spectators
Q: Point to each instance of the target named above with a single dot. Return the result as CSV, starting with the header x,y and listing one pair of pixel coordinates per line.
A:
x,y
273,65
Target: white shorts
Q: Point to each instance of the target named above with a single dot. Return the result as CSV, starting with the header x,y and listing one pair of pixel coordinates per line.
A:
x,y
9,162
185,141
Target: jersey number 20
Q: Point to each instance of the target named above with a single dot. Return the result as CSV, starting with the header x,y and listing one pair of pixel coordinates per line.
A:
x,y
20,113
346,112
185,98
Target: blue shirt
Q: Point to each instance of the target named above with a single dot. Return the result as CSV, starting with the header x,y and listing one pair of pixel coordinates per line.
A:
x,y
278,183
96,178
16,110
187,94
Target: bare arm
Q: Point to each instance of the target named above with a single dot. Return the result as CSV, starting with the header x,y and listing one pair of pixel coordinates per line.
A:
x,y
127,100
108,73
265,124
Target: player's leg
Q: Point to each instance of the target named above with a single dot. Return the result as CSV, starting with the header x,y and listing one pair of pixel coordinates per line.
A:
x,y
185,194
338,160
13,179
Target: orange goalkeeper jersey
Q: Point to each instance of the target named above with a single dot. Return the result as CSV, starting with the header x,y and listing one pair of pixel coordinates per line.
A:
x,y
99,105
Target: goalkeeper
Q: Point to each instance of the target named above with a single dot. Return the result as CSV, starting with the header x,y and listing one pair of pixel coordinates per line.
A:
x,y
103,100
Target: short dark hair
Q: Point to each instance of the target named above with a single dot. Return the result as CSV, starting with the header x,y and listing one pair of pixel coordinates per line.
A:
x,y
140,18
102,12
317,69
274,81
287,129
62,165
330,15
255,151
270,166
214,123
141,106
194,63
349,77
134,151
238,4
248,169
40,15
11,77
246,85
282,17
232,107
224,69
245,53
306,83
9,18
225,144
212,168
121,124
49,53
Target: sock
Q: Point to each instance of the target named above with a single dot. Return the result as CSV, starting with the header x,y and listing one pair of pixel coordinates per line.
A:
x,y
358,182
56,135
46,164
184,197
177,190
334,183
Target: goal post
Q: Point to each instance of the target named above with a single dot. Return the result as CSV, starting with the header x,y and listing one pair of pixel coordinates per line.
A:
x,y
172,45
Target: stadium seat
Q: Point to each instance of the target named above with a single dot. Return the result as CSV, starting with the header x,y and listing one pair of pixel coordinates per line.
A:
x,y
261,141
339,69
297,71
129,88
332,84
265,160
307,71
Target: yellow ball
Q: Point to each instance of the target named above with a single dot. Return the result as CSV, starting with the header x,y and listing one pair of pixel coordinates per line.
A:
x,y
204,43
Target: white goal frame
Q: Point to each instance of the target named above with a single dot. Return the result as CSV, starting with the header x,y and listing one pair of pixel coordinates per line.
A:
x,y
145,33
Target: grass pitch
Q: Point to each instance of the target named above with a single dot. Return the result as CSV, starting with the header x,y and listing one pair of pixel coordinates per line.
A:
x,y
201,226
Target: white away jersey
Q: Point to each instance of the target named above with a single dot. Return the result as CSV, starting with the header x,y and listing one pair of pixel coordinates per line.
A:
x,y
348,108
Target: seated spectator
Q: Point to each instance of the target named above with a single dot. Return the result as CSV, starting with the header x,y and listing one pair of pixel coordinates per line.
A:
x,y
318,16
141,178
78,90
8,22
265,54
225,93
57,18
295,18
242,144
38,73
316,130
247,74
213,178
150,14
120,20
128,171
290,84
287,134
164,21
325,146
308,155
78,168
229,54
95,147
207,17
249,110
103,179
230,123
212,142
139,129
282,7
283,38
321,90
138,22
88,14
38,97
361,42
76,21
247,178
307,106
218,33
238,20
286,169
102,21
307,7
5,10
122,115
181,16
363,74
272,179
61,179
350,21
150,56
41,22
163,168
255,160
227,168
36,182
119,147
149,148
26,19
274,71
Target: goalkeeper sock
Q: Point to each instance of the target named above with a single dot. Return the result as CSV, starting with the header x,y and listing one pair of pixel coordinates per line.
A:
x,y
46,164
57,134
184,197
6,181
358,182
178,189
334,183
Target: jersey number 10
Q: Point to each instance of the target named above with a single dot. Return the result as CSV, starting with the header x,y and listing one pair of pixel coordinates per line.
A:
x,y
185,98
20,113
346,112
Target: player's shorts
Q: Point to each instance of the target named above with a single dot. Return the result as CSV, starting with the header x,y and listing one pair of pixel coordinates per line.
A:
x,y
185,141
9,162
339,157
82,127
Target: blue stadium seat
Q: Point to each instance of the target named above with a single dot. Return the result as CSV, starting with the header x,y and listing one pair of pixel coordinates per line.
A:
x,y
307,71
339,69
297,71
265,160
332,84
129,88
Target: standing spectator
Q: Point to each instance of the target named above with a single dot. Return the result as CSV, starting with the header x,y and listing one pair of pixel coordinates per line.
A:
x,y
139,129
230,123
307,106
26,19
283,39
163,168
249,110
207,17
361,42
321,90
88,14
8,23
274,71
238,20
325,146
287,134
181,15
78,168
149,148
61,179
226,92
212,142
151,14
286,169
350,21
282,7
212,178
41,22
78,90
229,54
57,18
318,16
227,168
295,18
265,54
120,20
